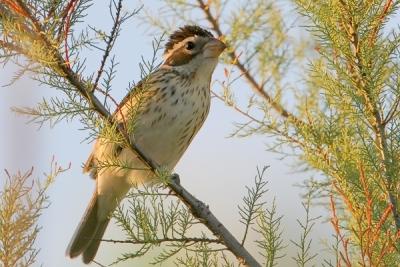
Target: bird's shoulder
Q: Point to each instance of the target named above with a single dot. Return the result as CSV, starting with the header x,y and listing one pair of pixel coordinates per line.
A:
x,y
147,87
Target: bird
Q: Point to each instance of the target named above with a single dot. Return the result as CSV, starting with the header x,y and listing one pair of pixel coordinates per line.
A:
x,y
167,109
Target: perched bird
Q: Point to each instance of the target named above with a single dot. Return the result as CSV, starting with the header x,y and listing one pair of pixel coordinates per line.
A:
x,y
170,106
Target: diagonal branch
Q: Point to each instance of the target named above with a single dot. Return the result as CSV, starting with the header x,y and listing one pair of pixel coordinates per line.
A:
x,y
256,87
197,207
270,127
109,43
163,240
71,6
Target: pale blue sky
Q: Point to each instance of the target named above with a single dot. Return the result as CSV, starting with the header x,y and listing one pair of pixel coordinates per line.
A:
x,y
215,168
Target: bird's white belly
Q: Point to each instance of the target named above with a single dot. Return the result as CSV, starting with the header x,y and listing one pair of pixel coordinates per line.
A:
x,y
162,135
159,144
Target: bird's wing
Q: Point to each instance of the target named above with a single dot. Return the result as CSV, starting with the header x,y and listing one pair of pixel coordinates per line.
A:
x,y
87,167
131,97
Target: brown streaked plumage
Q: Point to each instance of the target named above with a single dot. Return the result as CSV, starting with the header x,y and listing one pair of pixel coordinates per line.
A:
x,y
169,113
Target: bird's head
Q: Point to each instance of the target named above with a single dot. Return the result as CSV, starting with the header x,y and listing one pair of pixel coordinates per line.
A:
x,y
191,49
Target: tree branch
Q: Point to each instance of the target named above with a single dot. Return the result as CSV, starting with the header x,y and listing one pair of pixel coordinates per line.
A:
x,y
163,240
198,208
109,44
202,211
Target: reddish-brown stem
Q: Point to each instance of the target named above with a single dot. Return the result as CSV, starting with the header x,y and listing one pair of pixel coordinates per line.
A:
x,y
388,5
15,7
357,68
344,241
69,10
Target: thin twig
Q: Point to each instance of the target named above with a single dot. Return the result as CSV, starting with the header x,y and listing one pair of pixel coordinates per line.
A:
x,y
259,89
163,240
254,119
385,11
98,263
110,44
118,107
70,10
393,112
344,241
12,47
15,7
64,15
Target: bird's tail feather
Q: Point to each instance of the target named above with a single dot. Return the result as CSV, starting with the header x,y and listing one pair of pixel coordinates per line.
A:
x,y
90,251
86,239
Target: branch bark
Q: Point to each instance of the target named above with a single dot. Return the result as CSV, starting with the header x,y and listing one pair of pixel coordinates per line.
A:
x,y
197,207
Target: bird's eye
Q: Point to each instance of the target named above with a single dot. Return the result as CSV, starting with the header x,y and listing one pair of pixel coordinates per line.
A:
x,y
190,45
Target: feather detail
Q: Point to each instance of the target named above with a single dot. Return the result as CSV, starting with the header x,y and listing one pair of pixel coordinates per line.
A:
x,y
86,229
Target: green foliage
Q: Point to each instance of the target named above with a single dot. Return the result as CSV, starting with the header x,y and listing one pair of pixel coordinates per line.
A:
x,y
59,18
154,220
150,218
270,229
252,202
304,255
22,201
342,121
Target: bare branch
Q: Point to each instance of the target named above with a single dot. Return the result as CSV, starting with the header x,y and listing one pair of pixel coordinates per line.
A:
x,y
163,240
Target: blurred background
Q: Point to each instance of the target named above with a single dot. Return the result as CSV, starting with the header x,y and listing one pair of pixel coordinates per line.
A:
x,y
215,168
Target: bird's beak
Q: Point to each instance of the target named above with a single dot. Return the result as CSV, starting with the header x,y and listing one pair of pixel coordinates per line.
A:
x,y
213,48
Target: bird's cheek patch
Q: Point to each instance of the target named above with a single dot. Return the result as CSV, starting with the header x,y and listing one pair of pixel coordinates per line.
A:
x,y
179,58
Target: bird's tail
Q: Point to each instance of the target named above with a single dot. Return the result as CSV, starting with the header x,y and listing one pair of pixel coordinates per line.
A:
x,y
87,236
